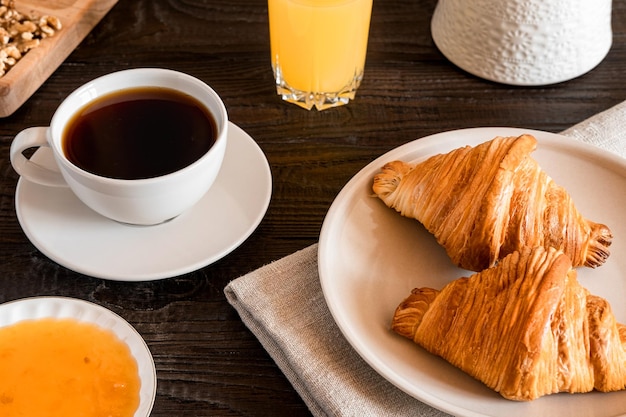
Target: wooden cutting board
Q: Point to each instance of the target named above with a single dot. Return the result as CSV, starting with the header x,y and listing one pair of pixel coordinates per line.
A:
x,y
78,17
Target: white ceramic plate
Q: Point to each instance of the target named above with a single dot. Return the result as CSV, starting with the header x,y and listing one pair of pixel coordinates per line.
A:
x,y
71,234
69,308
370,258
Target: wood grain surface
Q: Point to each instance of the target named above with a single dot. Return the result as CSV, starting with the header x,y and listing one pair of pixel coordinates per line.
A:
x,y
208,363
78,17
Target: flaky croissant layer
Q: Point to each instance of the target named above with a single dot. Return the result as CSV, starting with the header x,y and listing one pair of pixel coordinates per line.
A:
x,y
482,203
525,328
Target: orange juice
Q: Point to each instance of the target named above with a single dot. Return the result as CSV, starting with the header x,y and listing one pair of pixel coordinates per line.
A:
x,y
319,46
65,368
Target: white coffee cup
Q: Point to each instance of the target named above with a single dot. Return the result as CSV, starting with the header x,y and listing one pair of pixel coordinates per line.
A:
x,y
147,201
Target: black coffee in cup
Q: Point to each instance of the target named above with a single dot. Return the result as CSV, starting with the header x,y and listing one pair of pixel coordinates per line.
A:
x,y
139,133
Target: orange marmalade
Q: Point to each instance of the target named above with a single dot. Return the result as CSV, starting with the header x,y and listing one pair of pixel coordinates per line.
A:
x,y
63,367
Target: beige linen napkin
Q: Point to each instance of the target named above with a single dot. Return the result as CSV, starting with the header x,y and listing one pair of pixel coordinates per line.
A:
x,y
606,130
283,305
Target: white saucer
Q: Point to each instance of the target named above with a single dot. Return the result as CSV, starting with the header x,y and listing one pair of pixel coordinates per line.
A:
x,y
71,234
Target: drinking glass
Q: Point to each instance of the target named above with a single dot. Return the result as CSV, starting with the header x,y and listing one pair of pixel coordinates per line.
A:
x,y
318,49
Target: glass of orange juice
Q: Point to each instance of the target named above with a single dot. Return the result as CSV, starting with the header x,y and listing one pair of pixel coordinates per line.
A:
x,y
318,49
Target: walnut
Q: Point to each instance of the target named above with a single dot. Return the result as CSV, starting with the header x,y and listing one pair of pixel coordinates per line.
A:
x,y
20,33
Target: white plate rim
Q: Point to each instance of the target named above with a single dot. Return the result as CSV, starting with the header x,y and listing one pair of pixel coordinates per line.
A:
x,y
452,139
40,307
256,175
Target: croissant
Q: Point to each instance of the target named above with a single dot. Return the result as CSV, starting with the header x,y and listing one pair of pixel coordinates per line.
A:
x,y
525,328
482,203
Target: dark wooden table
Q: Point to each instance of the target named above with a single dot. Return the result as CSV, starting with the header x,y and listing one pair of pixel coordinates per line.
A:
x,y
208,363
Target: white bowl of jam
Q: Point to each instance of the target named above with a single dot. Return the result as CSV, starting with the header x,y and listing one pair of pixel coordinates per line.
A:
x,y
68,357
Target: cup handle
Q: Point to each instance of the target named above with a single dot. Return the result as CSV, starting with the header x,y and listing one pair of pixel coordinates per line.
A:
x,y
34,137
